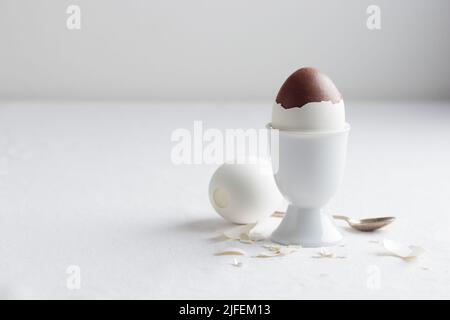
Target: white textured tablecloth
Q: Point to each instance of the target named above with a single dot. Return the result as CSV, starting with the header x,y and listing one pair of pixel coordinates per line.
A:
x,y
92,185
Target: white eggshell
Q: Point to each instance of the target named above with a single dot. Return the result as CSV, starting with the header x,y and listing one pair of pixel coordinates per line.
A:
x,y
244,193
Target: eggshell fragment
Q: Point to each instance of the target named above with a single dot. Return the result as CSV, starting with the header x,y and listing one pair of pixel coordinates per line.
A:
x,y
263,229
402,250
325,253
278,214
268,254
237,264
275,250
238,232
231,252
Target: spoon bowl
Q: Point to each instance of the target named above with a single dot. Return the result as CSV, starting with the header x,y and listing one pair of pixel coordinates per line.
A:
x,y
366,225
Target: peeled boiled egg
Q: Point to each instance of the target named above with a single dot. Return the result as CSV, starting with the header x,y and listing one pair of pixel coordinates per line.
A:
x,y
244,193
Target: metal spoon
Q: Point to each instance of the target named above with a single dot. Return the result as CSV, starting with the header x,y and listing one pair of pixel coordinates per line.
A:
x,y
370,224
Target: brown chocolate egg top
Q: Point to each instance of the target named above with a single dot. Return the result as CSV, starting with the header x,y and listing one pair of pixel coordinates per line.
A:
x,y
307,85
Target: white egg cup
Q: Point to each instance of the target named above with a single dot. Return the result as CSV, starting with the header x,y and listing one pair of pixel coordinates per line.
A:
x,y
308,168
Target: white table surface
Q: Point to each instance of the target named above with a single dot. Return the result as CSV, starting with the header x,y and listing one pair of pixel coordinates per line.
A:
x,y
92,184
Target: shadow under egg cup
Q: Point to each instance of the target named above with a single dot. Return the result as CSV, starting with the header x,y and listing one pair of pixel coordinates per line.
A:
x,y
308,168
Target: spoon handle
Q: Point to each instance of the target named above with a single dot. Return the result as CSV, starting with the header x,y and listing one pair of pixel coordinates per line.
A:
x,y
338,217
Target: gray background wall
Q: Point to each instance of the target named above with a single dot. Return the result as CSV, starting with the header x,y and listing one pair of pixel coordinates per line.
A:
x,y
221,50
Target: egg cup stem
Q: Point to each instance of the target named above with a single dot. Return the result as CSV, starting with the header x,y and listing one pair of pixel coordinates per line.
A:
x,y
308,228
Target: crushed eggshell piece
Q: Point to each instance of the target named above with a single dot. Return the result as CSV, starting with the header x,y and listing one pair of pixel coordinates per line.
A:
x,y
237,263
269,254
278,247
263,229
275,250
246,241
272,247
231,252
244,238
253,232
326,253
287,250
278,214
402,250
238,232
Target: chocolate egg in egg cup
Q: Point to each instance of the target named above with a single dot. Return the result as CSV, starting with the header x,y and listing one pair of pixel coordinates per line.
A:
x,y
308,156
